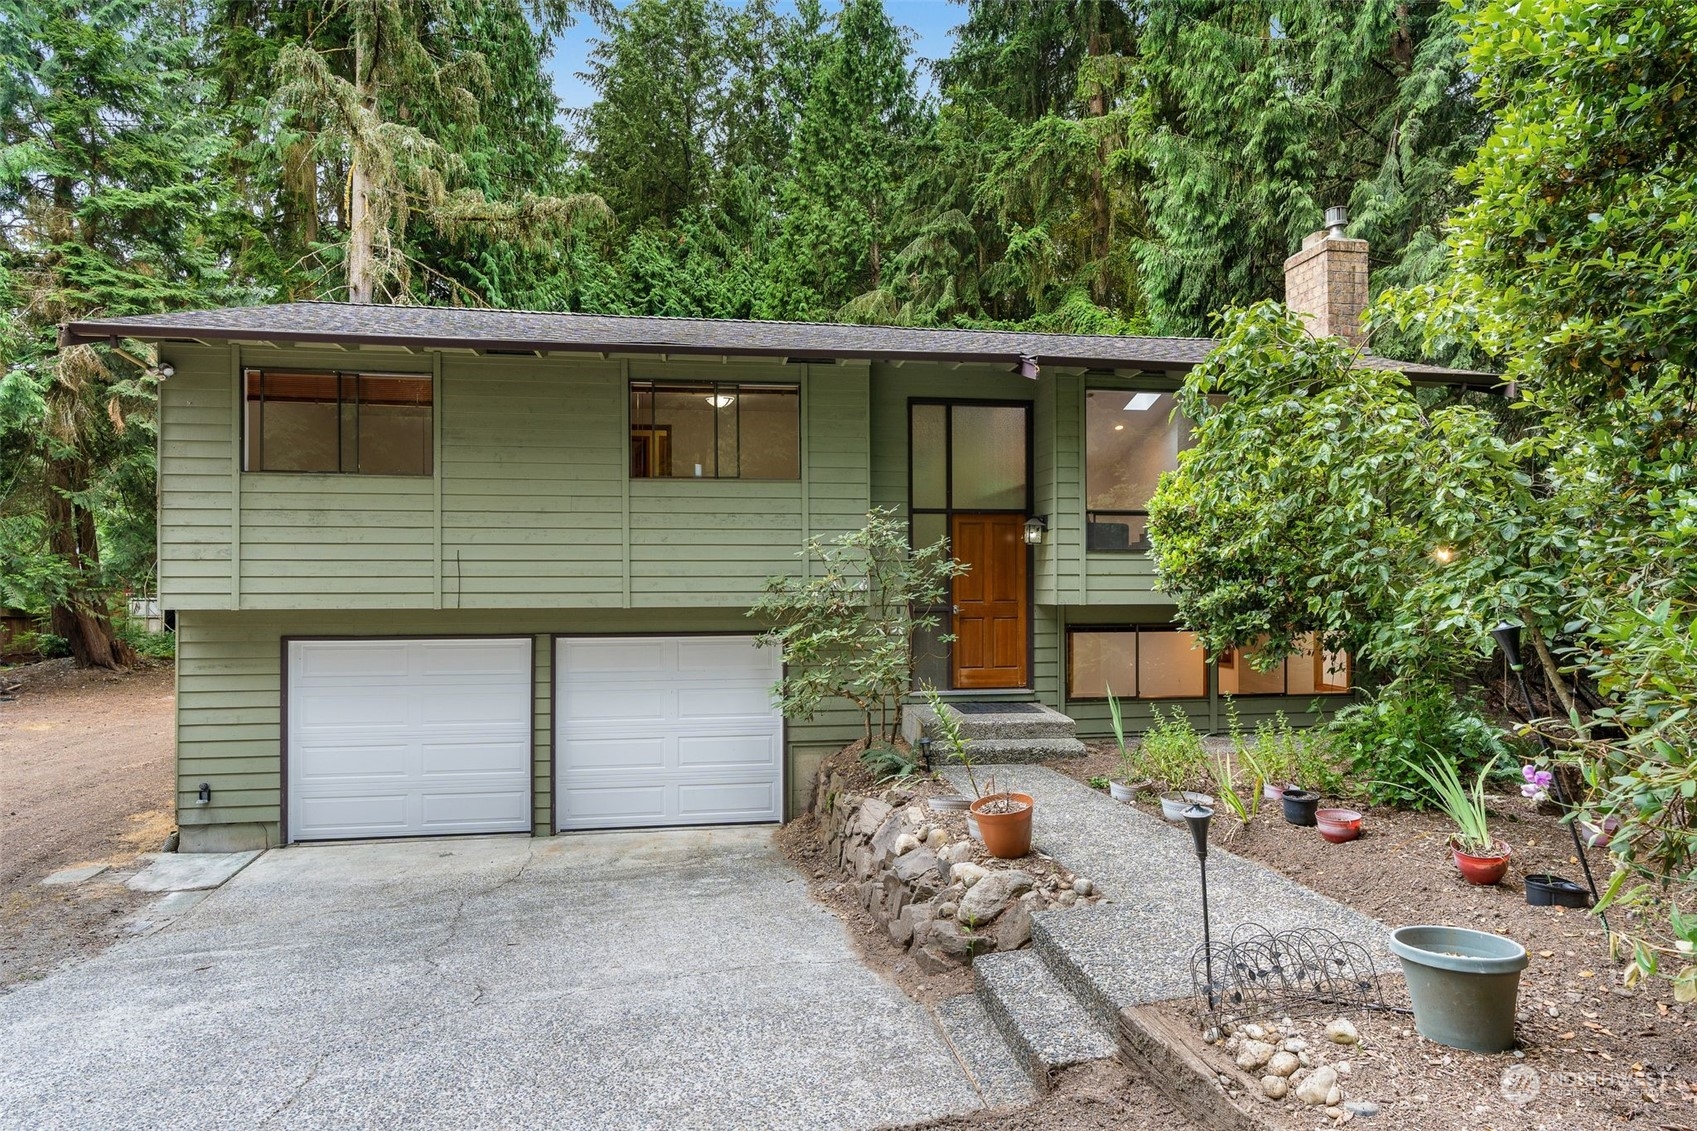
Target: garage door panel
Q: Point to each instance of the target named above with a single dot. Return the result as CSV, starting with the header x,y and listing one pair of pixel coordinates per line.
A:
x,y
478,705
726,658
615,754
726,801
718,702
472,810
474,759
371,814
404,738
480,660
610,806
741,750
327,659
666,731
335,763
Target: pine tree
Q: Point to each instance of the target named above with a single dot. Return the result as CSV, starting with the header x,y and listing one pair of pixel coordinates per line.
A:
x,y
848,159
107,153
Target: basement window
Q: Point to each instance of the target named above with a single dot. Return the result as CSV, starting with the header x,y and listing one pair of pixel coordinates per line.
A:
x,y
340,423
714,430
1153,662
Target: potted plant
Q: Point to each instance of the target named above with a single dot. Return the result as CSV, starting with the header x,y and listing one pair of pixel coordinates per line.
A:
x,y
1481,857
1463,985
954,746
1338,826
1299,806
1173,753
1130,783
1004,823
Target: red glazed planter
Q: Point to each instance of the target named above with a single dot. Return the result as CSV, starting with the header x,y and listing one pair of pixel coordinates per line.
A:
x,y
1338,825
1482,870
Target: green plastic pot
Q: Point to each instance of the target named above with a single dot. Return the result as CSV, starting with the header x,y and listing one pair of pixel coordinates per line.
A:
x,y
1463,983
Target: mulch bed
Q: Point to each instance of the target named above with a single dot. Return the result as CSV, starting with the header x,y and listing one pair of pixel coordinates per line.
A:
x,y
1605,1056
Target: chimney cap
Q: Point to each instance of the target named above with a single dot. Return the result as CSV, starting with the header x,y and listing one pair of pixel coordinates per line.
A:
x,y
1337,218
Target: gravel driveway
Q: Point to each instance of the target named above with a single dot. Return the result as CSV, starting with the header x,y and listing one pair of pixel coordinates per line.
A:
x,y
676,980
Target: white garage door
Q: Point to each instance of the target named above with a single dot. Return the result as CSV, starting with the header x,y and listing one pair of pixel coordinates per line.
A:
x,y
408,737
666,730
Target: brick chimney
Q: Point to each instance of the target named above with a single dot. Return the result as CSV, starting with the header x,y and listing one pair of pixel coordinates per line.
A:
x,y
1327,281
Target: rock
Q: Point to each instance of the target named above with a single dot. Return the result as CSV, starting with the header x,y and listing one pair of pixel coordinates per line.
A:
x,y
872,814
945,911
901,931
913,867
1066,898
1343,1067
1316,1090
1253,1032
1337,1114
933,961
906,843
952,854
1013,930
1274,1087
947,938
990,896
1362,1109
1294,1044
936,838
1342,1032
1305,1058
1253,1054
967,873
1283,1064
1083,886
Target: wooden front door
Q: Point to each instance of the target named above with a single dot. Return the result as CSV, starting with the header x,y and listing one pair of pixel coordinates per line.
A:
x,y
990,611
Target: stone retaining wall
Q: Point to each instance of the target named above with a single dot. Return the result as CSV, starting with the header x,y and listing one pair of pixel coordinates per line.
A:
x,y
924,880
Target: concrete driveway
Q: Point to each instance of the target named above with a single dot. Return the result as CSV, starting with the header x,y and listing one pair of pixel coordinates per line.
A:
x,y
630,980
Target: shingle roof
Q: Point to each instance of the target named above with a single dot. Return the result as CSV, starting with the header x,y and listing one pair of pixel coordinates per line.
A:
x,y
461,328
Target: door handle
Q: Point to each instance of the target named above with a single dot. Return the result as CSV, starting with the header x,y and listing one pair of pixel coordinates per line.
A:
x,y
956,609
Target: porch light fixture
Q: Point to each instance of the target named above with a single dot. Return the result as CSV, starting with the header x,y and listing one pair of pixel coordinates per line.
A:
x,y
205,797
1034,528
721,400
1142,402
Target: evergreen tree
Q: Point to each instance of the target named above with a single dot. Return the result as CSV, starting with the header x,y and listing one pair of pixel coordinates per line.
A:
x,y
847,163
1264,112
107,149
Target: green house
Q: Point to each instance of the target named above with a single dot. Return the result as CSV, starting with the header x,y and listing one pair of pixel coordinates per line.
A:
x,y
438,571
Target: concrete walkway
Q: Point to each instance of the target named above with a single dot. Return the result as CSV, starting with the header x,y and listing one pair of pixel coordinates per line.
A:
x,y
635,980
1135,946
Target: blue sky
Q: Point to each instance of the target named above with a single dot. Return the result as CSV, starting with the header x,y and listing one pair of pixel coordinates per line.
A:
x,y
928,20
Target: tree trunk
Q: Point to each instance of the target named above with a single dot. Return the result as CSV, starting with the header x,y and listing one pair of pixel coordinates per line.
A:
x,y
1099,215
362,235
81,617
1546,661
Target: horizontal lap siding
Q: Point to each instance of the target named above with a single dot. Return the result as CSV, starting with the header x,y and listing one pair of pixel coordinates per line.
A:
x,y
533,467
711,542
310,537
196,476
839,449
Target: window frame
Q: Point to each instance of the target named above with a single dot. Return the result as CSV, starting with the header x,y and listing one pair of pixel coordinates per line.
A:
x,y
1136,631
1141,545
1234,659
340,377
711,388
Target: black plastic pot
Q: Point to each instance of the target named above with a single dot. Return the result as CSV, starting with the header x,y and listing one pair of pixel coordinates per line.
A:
x,y
1299,806
1545,890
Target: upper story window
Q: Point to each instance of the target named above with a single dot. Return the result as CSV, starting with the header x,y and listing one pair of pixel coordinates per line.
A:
x,y
1131,437
714,430
350,423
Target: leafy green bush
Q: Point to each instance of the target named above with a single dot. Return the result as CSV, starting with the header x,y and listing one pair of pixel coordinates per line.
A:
x,y
43,644
889,763
1388,736
155,645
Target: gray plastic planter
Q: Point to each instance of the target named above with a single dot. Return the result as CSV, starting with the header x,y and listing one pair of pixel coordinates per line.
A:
x,y
1463,983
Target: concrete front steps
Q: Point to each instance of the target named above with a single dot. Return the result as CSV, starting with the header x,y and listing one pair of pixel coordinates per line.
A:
x,y
1000,730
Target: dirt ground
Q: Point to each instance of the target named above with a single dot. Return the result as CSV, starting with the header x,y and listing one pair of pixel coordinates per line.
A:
x,y
1605,1056
85,777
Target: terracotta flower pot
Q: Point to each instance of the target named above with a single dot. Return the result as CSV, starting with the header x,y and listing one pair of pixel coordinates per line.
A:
x,y
1007,836
1338,825
1599,836
1482,870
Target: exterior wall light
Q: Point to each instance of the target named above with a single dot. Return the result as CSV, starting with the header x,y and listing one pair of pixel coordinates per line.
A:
x,y
1034,528
205,797
1443,555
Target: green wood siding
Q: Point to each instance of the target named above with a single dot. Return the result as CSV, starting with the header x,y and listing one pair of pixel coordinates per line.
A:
x,y
531,505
